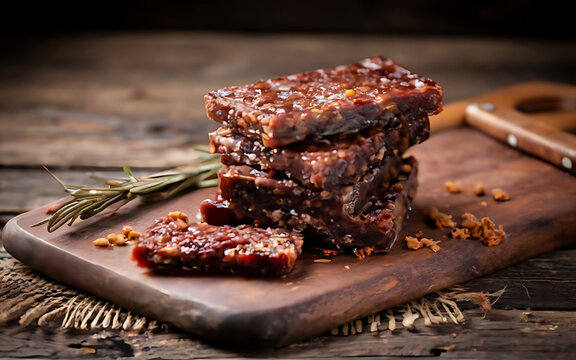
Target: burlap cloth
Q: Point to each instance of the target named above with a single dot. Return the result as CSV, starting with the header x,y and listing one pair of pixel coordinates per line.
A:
x,y
30,299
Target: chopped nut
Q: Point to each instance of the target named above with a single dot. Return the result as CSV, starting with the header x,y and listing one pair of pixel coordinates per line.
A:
x,y
479,190
102,242
178,215
460,233
126,229
116,239
412,243
182,225
170,251
483,230
133,235
431,244
350,92
363,253
499,195
495,237
440,220
452,187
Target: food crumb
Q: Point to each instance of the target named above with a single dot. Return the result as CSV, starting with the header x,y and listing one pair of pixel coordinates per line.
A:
x,y
483,203
101,242
412,243
500,195
430,244
324,261
117,239
452,187
125,237
126,229
459,233
347,267
484,230
479,189
440,219
363,253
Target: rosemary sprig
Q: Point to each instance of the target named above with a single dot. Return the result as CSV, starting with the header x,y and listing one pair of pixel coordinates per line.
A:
x,y
86,201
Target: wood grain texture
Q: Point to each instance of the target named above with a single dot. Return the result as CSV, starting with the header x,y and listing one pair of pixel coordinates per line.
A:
x,y
502,334
158,79
316,297
137,98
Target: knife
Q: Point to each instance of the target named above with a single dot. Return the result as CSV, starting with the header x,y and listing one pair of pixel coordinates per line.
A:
x,y
538,118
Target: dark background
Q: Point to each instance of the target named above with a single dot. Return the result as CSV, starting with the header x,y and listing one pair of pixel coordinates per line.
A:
x,y
540,19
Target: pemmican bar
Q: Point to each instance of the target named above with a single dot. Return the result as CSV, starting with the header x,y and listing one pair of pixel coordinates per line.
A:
x,y
348,99
368,214
322,152
324,164
171,244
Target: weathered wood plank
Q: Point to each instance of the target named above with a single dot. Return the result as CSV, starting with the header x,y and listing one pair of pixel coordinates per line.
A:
x,y
78,100
537,284
501,334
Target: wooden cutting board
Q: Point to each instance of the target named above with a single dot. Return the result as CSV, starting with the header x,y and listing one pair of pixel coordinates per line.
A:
x,y
317,296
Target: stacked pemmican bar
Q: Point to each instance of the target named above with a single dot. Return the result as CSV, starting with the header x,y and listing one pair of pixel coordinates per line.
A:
x,y
322,152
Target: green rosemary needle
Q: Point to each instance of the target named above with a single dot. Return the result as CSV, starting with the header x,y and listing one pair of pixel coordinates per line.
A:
x,y
86,201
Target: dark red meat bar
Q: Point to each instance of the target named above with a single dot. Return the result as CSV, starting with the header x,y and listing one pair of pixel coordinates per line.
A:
x,y
366,215
323,165
171,244
346,99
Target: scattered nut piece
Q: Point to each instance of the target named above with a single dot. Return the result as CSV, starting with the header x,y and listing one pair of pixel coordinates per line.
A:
x,y
430,244
440,220
126,229
452,187
412,243
178,215
479,190
483,230
499,195
459,233
483,203
363,253
101,242
182,225
116,239
169,251
133,235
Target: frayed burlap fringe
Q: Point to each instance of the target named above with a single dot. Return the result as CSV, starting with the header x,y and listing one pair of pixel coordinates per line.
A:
x,y
34,300
438,308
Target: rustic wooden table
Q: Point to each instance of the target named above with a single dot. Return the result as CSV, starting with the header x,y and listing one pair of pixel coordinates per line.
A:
x,y
94,102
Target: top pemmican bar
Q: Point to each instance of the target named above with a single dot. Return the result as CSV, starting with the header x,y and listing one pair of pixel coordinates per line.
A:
x,y
344,100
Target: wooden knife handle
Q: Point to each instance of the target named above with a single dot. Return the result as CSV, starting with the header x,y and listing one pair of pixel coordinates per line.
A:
x,y
531,117
520,131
